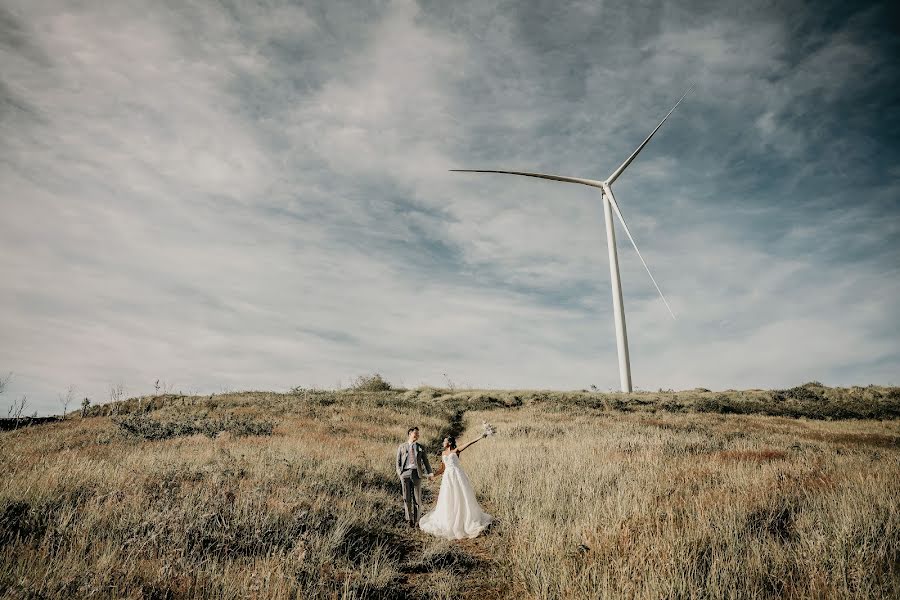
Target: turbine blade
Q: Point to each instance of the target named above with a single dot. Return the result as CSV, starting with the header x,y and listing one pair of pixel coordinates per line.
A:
x,y
589,182
615,207
617,172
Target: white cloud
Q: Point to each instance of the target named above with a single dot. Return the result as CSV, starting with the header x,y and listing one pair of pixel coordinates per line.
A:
x,y
262,201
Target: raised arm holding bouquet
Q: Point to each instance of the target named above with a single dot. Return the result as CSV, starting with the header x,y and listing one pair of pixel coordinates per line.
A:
x,y
488,430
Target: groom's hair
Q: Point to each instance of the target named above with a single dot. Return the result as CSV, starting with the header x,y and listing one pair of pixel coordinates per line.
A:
x,y
411,429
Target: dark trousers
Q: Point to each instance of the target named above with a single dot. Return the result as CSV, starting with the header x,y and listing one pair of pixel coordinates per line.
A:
x,y
412,494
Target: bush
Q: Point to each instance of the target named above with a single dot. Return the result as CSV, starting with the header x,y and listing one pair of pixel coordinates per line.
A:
x,y
370,383
151,429
725,405
806,401
807,392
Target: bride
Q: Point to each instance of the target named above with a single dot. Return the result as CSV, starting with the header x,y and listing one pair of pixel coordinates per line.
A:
x,y
457,514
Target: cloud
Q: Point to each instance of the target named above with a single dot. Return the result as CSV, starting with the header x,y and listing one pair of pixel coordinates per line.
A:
x,y
258,195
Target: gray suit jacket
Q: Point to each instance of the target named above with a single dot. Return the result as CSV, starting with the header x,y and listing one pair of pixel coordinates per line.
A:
x,y
403,450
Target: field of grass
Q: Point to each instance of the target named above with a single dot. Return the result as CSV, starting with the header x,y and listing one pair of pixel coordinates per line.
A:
x,y
751,494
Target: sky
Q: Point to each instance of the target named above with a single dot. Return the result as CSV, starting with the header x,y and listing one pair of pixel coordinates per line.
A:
x,y
228,196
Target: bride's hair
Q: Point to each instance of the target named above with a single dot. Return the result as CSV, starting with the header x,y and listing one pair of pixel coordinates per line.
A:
x,y
452,441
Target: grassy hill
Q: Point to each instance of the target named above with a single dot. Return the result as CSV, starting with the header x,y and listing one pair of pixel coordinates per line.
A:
x,y
745,494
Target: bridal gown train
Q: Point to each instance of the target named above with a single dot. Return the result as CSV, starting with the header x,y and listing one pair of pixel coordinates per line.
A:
x,y
457,514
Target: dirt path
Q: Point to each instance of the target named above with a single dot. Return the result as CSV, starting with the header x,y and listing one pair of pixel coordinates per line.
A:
x,y
472,560
483,580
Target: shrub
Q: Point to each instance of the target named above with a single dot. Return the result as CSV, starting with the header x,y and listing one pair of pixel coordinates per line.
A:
x,y
724,405
151,429
808,392
370,383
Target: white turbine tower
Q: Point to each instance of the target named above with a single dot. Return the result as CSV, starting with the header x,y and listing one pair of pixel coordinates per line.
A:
x,y
609,204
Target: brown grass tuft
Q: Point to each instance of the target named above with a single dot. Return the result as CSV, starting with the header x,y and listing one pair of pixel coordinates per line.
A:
x,y
760,456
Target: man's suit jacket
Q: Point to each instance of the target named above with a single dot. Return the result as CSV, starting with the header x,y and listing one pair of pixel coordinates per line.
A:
x,y
421,462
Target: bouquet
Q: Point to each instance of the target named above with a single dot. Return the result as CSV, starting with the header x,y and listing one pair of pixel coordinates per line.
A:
x,y
488,429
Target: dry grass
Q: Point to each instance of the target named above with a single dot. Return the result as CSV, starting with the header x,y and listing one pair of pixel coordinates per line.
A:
x,y
87,510
690,506
595,495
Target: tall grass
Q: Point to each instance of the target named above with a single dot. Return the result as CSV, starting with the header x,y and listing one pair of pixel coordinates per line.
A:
x,y
597,495
679,506
87,510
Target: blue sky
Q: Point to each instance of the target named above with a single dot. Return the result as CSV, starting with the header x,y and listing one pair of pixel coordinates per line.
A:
x,y
229,196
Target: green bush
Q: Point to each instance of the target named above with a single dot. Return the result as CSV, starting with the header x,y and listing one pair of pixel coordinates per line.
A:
x,y
370,383
805,401
150,429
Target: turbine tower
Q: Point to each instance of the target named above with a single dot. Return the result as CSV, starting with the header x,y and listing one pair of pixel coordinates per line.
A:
x,y
609,205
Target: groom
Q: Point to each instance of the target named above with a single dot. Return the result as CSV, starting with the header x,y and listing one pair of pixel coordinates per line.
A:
x,y
412,463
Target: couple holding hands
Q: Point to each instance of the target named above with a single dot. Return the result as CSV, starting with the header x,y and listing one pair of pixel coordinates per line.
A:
x,y
456,514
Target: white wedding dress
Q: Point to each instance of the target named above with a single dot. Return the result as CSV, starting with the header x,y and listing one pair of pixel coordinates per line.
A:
x,y
457,514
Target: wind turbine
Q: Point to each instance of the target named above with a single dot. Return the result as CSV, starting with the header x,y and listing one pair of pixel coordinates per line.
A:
x,y
609,205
